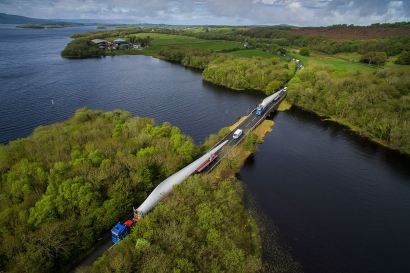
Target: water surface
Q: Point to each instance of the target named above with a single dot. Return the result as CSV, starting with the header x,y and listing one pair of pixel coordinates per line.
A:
x,y
341,202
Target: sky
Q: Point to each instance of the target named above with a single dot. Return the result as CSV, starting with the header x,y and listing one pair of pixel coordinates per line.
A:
x,y
216,12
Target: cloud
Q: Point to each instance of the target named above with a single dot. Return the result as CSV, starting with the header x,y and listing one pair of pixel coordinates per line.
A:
x,y
295,12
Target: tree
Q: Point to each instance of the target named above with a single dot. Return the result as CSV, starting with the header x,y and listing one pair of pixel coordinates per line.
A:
x,y
282,50
404,58
376,57
304,51
380,58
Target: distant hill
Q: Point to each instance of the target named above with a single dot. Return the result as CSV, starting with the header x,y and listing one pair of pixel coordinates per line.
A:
x,y
15,19
343,33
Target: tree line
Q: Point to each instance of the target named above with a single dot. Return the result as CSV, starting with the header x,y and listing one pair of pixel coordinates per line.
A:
x,y
238,73
82,48
376,104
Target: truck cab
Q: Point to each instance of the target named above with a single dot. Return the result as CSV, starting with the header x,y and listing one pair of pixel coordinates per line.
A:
x,y
259,110
119,231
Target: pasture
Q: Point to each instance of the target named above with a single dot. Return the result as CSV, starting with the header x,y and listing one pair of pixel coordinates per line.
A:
x,y
336,63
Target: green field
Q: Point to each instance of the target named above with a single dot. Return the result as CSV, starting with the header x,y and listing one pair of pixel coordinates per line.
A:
x,y
338,64
160,40
352,56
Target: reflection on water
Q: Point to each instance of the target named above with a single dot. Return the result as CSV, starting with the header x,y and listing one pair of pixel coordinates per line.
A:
x,y
340,201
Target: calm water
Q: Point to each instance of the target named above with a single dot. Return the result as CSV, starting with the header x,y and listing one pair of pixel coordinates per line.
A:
x,y
340,202
33,76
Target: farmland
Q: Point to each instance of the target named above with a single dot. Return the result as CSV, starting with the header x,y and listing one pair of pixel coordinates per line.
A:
x,y
336,63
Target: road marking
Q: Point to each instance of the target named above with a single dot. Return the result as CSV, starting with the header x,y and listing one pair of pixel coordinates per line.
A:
x,y
111,247
254,118
247,124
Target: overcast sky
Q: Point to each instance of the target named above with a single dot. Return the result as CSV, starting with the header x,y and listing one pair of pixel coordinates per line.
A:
x,y
216,12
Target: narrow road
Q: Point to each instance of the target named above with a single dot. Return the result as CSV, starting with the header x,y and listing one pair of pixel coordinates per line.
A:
x,y
247,125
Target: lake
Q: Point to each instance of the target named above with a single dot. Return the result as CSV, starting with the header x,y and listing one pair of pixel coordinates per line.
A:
x,y
340,202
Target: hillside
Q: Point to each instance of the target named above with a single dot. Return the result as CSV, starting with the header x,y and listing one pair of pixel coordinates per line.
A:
x,y
353,32
15,19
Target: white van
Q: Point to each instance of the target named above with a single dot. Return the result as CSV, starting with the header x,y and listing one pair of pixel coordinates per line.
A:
x,y
237,133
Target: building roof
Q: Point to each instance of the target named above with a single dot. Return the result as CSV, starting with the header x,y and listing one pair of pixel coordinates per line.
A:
x,y
120,41
97,41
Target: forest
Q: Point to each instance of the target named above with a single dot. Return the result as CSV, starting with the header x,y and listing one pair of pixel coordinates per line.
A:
x,y
67,183
201,226
376,104
234,72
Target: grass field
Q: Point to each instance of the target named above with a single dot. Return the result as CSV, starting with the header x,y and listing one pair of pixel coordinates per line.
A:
x,y
160,41
338,64
352,56
356,58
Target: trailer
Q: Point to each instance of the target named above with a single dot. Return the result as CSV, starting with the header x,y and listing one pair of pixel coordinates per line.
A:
x,y
206,163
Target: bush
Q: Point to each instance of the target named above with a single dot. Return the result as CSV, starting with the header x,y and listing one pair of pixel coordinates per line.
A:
x,y
404,58
304,51
82,48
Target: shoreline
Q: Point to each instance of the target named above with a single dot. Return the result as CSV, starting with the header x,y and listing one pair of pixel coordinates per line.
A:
x,y
355,130
272,247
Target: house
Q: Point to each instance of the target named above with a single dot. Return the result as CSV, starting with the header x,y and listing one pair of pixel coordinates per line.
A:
x,y
99,41
102,44
137,46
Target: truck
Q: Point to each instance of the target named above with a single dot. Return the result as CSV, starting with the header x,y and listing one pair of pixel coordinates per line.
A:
x,y
119,231
268,101
206,163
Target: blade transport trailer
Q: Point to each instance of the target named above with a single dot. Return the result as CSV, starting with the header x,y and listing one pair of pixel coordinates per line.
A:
x,y
206,163
268,101
119,231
